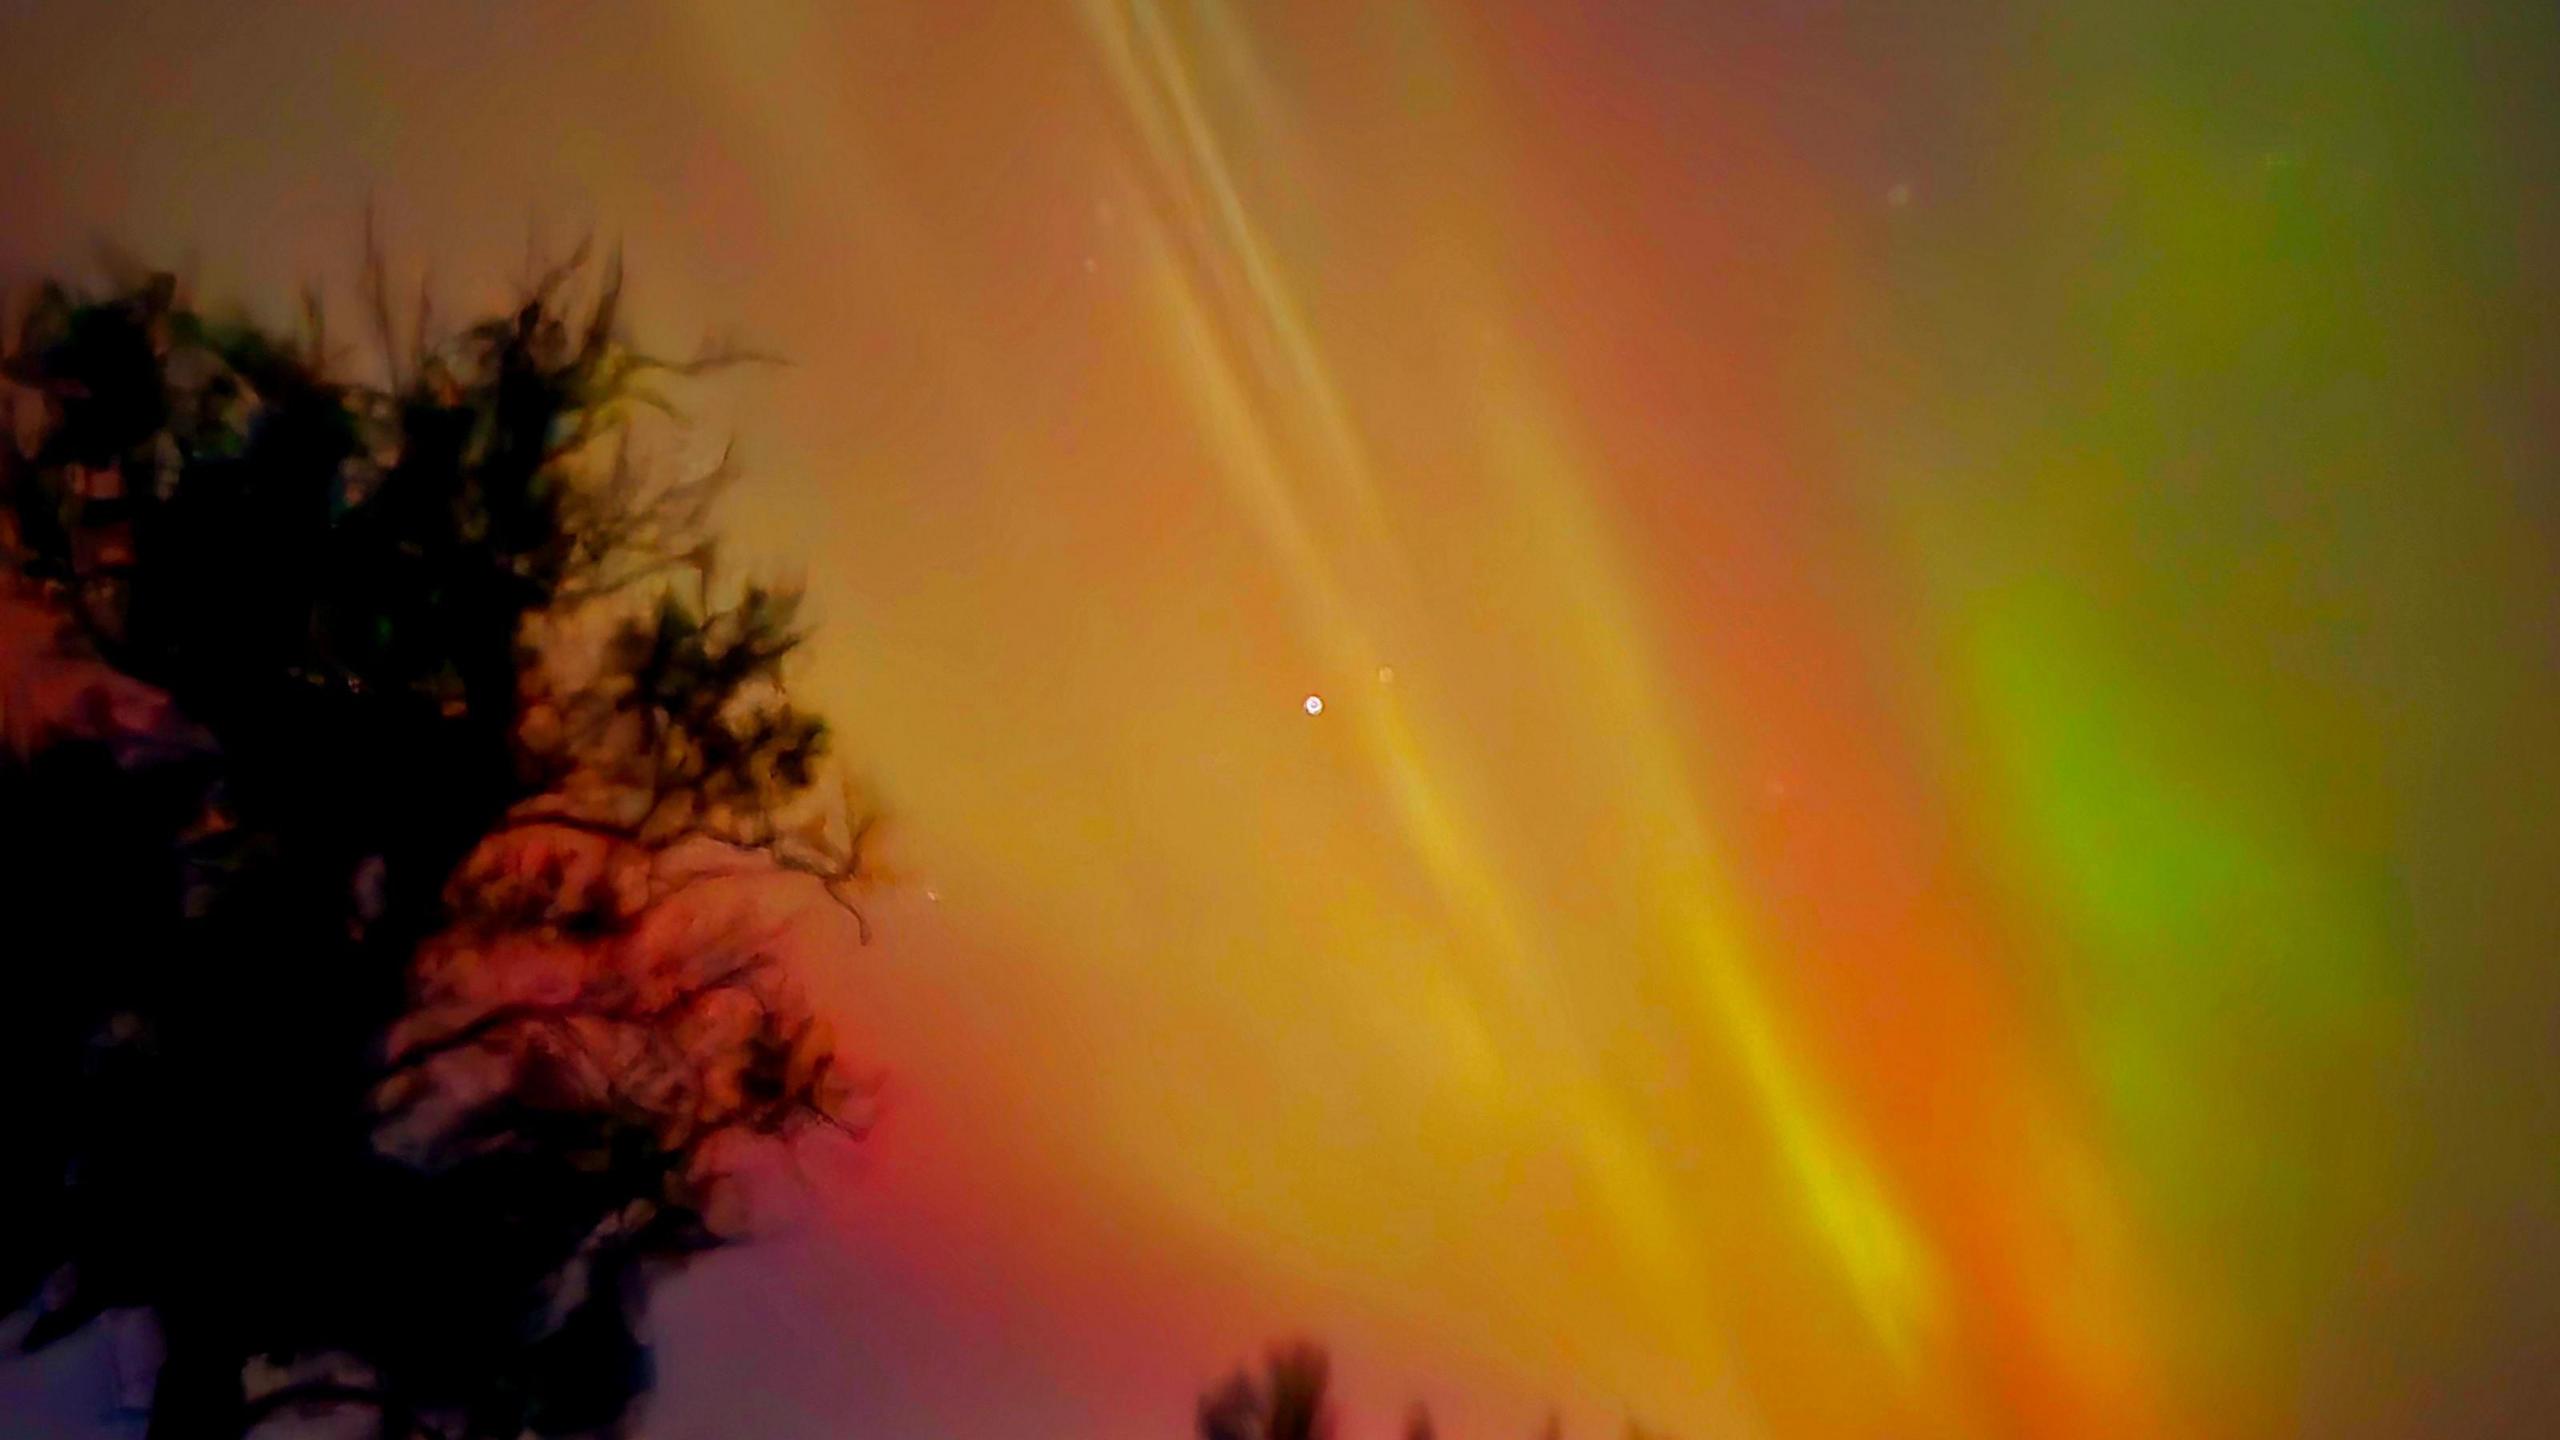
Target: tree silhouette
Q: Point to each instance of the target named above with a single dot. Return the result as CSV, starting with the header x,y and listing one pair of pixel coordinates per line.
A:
x,y
389,775
1289,1402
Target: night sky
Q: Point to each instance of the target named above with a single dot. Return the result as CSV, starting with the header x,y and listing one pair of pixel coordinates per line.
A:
x,y
1798,719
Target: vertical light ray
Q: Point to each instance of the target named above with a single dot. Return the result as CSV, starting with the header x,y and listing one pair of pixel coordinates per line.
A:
x,y
1875,1248
1155,83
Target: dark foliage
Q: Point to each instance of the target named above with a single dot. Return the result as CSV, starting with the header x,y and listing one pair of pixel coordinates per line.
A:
x,y
1288,1402
381,1011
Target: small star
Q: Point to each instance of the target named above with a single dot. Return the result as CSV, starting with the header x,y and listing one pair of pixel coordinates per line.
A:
x,y
1386,674
1899,196
1315,705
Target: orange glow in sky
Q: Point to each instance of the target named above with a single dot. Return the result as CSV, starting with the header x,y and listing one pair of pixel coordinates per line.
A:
x,y
1743,717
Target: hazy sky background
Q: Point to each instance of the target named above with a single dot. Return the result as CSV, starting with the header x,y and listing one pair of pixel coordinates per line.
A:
x,y
1935,803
